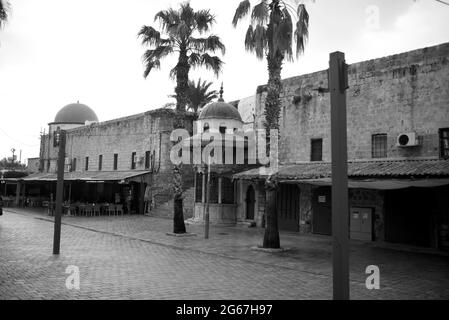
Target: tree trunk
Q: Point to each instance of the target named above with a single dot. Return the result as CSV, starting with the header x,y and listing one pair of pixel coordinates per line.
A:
x,y
182,80
271,236
272,111
182,85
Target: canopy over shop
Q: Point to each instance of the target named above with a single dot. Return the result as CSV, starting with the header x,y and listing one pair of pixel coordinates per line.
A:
x,y
86,186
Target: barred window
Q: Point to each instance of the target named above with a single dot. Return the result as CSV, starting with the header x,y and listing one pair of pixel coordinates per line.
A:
x,y
316,150
444,143
115,161
147,159
133,160
100,162
227,191
379,145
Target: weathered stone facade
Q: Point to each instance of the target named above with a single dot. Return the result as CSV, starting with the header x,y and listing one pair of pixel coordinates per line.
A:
x,y
140,133
407,92
402,93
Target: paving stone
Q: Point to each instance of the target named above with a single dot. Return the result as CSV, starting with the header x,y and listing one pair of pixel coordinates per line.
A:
x,y
131,257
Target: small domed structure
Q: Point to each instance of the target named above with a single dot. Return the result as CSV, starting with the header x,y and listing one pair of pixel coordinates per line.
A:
x,y
220,110
219,117
75,113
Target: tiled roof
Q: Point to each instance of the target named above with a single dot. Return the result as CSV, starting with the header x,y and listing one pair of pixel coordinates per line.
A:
x,y
419,168
85,176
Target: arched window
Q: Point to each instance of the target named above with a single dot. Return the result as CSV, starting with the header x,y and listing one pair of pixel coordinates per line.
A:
x,y
222,128
206,127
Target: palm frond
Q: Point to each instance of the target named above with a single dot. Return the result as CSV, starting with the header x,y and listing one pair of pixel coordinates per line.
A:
x,y
187,14
149,36
167,18
302,29
260,41
181,31
199,95
249,39
4,9
260,14
204,20
173,72
194,59
211,43
241,11
151,58
212,63
283,32
150,65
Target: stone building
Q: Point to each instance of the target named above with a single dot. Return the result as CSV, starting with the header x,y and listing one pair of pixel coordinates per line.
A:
x,y
105,161
398,150
33,165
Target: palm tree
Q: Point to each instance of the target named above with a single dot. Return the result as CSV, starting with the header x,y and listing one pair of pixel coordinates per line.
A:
x,y
199,95
178,35
270,34
4,8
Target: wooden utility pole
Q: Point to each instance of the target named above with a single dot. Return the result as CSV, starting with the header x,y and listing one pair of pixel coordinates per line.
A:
x,y
60,142
338,83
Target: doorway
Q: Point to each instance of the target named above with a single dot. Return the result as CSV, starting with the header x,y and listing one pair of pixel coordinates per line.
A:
x,y
322,211
250,203
408,215
288,207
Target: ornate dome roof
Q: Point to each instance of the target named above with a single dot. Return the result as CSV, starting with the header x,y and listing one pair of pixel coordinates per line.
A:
x,y
76,113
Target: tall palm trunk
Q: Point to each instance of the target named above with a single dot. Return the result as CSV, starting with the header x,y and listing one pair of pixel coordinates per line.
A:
x,y
182,87
182,81
272,111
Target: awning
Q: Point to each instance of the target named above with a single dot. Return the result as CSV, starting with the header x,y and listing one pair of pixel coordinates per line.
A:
x,y
385,169
87,176
380,184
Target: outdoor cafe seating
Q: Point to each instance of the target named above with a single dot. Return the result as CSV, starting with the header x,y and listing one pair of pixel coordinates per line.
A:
x,y
86,209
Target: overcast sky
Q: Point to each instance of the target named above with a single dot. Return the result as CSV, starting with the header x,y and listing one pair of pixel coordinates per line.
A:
x,y
55,52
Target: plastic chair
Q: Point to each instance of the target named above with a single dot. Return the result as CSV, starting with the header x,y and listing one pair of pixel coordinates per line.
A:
x,y
96,210
82,209
89,210
119,209
110,209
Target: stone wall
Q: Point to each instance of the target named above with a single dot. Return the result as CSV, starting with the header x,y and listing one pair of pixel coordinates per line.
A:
x,y
149,131
406,92
139,133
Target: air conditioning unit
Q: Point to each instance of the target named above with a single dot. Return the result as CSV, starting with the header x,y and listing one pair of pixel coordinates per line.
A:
x,y
407,139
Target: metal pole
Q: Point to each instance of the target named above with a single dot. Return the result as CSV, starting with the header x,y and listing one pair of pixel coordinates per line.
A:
x,y
59,193
340,255
206,218
142,197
